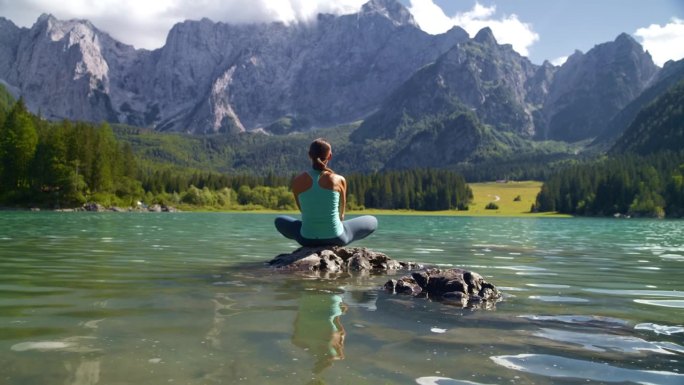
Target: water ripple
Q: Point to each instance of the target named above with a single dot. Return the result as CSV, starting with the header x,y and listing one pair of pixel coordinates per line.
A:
x,y
660,329
578,319
561,367
557,298
443,381
631,292
603,342
663,302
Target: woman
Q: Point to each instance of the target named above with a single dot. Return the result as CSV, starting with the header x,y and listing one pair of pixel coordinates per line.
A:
x,y
321,196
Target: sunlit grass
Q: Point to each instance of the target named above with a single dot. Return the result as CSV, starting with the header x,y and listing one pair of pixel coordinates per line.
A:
x,y
502,194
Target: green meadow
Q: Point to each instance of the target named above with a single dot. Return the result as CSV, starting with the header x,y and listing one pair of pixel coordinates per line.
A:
x,y
512,199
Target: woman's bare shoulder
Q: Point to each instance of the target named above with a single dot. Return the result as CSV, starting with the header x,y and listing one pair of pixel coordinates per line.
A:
x,y
337,180
303,175
301,182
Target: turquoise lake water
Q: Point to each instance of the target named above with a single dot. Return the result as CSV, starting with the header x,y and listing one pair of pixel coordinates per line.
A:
x,y
186,299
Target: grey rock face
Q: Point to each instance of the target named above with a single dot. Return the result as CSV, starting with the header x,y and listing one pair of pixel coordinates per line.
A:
x,y
449,143
215,77
9,43
509,93
61,69
458,286
498,85
590,89
336,259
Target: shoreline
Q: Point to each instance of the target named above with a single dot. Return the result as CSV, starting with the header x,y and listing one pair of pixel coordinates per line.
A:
x,y
380,212
513,200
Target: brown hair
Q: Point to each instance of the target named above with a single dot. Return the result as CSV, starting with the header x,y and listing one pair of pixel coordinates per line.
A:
x,y
318,152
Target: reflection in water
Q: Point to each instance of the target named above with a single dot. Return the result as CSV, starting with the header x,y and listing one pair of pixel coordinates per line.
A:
x,y
676,303
602,342
77,344
443,381
660,329
86,373
584,320
185,299
558,298
317,327
561,367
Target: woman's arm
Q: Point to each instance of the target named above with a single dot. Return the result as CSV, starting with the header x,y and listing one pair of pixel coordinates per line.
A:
x,y
300,183
343,195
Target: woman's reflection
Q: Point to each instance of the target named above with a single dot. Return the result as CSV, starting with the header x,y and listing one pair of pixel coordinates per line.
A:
x,y
318,329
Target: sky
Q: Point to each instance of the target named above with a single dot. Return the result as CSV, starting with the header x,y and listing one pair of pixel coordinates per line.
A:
x,y
539,29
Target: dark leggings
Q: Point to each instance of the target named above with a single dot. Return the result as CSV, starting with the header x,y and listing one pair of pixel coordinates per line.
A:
x,y
354,229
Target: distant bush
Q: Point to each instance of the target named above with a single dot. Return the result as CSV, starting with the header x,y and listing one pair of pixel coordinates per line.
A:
x,y
517,199
491,206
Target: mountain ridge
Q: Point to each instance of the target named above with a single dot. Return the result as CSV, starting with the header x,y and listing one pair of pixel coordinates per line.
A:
x,y
216,77
375,65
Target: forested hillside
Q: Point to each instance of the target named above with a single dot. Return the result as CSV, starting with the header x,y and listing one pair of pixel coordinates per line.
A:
x,y
65,164
651,186
659,126
643,175
426,190
671,74
6,101
62,164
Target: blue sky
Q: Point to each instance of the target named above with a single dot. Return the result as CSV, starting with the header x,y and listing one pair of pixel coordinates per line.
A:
x,y
565,25
539,29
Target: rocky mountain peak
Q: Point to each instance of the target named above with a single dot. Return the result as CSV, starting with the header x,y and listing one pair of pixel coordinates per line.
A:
x,y
217,77
44,19
6,23
79,33
391,9
8,31
457,34
625,38
596,86
9,41
485,36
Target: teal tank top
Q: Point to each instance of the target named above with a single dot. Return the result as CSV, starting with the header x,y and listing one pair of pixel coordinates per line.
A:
x,y
320,211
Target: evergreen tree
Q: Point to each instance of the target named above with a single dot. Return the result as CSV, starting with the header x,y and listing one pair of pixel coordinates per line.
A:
x,y
628,184
18,142
104,160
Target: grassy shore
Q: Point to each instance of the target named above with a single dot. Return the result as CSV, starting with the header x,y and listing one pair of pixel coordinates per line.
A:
x,y
502,194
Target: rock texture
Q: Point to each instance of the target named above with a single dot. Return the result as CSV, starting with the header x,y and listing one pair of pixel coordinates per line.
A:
x,y
479,75
591,89
454,285
338,259
505,91
215,77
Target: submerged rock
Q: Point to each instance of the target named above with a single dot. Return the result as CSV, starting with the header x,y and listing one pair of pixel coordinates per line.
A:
x,y
463,287
334,259
453,286
95,207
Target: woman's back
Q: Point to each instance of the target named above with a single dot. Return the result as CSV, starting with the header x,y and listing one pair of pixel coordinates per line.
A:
x,y
319,205
321,196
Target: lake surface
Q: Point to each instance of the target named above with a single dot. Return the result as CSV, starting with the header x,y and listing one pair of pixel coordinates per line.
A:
x,y
185,299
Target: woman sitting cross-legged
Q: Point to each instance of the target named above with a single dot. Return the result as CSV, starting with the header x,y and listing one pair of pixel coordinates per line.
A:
x,y
321,196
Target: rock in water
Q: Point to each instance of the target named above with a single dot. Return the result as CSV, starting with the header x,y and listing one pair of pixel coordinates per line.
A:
x,y
454,285
335,259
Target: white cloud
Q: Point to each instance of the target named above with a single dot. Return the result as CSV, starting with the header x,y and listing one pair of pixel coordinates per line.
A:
x,y
507,29
559,61
663,42
145,23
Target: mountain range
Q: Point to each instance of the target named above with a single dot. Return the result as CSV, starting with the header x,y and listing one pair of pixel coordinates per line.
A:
x,y
448,92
